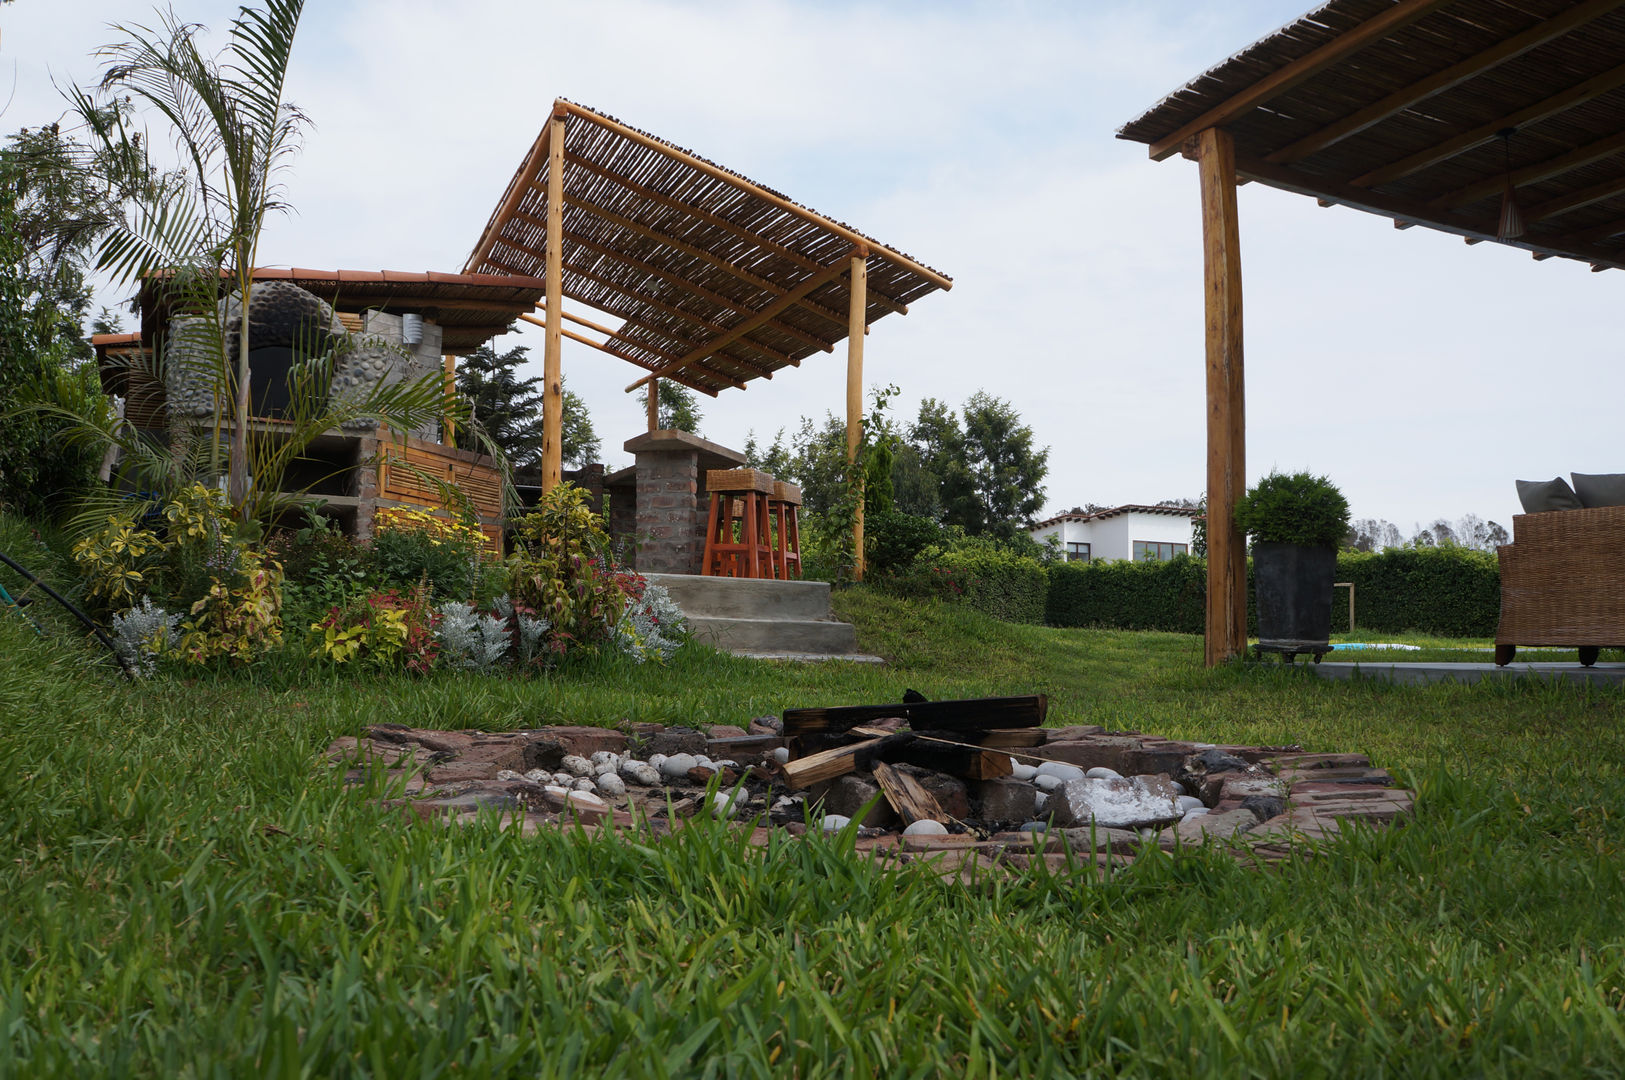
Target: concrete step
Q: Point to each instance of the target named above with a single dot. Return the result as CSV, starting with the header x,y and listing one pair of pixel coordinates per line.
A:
x,y
752,617
823,637
746,598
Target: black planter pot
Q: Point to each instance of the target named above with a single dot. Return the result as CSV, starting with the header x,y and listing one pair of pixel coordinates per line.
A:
x,y
1293,587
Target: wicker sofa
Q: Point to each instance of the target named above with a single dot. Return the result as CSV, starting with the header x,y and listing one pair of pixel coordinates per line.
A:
x,y
1563,582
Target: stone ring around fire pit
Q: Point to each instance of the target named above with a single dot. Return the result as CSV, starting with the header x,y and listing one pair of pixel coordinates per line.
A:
x,y
1077,793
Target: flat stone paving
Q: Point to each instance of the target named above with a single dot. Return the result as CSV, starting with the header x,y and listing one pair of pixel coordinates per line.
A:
x,y
1420,674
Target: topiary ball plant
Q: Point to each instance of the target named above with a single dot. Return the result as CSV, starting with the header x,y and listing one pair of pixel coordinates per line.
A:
x,y
1294,508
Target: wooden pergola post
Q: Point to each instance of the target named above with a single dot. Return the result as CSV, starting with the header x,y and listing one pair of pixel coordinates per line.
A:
x,y
447,423
857,322
552,362
1226,415
654,404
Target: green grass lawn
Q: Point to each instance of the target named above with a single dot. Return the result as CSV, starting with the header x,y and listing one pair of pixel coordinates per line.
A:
x,y
184,893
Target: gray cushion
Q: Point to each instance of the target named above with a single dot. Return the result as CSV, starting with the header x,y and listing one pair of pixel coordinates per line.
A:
x,y
1600,489
1539,496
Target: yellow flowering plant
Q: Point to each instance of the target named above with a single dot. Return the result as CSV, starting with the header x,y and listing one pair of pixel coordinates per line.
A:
x,y
412,547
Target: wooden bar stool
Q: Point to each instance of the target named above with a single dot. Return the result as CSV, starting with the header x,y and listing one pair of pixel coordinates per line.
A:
x,y
787,544
739,499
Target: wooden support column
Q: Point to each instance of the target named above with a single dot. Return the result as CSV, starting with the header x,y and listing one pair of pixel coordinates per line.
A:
x,y
654,404
1226,416
448,425
856,324
552,362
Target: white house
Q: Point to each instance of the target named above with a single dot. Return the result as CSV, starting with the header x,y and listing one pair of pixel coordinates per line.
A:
x,y
1123,532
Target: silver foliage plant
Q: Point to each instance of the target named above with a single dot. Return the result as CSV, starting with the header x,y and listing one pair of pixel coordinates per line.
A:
x,y
471,640
142,633
652,627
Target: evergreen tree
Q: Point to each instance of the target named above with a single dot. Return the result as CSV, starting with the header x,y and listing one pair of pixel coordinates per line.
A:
x,y
509,410
677,408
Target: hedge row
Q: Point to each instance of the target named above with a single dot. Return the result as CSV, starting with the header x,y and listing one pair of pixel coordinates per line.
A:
x,y
1447,590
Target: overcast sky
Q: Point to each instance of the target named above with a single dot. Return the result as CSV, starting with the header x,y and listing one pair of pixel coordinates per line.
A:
x,y
1421,375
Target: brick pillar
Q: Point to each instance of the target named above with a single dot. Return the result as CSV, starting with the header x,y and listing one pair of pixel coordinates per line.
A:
x,y
670,522
365,485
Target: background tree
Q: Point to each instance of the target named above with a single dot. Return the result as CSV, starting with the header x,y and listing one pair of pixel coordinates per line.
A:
x,y
52,210
988,473
509,410
677,408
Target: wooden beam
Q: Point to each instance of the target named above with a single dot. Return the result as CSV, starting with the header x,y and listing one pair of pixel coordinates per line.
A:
x,y
651,195
964,715
1574,200
1437,83
1559,102
756,281
604,347
552,353
1226,414
755,369
1307,67
662,306
1533,174
857,326
539,152
1476,228
818,280
654,404
1606,231
770,197
701,291
579,321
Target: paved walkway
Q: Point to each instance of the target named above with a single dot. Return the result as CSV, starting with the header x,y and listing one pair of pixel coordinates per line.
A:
x,y
1417,674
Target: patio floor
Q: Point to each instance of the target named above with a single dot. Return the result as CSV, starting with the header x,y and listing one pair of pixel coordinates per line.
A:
x,y
1418,673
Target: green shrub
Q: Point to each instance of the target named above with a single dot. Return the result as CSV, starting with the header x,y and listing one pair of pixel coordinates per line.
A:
x,y
1124,595
1444,590
561,569
412,547
1449,590
981,572
892,539
1294,508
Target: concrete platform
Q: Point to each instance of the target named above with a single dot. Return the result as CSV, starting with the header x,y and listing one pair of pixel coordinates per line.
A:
x,y
1420,674
775,620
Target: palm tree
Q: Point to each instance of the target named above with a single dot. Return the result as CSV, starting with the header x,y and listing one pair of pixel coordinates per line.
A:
x,y
234,132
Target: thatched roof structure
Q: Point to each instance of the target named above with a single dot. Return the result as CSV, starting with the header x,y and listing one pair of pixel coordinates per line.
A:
x,y
719,280
1422,110
470,309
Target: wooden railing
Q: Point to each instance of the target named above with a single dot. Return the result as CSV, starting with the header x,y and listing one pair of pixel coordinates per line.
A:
x,y
411,471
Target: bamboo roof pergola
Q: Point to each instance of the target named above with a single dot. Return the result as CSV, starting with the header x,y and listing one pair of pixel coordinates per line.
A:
x,y
1398,108
717,280
1429,112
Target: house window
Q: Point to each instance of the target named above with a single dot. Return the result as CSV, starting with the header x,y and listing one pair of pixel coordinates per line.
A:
x,y
1077,553
1152,551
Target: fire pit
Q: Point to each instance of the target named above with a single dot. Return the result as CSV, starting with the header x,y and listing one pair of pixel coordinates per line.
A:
x,y
961,783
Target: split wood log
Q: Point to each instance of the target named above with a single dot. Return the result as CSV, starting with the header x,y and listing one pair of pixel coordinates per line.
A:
x,y
828,764
941,751
973,714
1009,737
907,796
